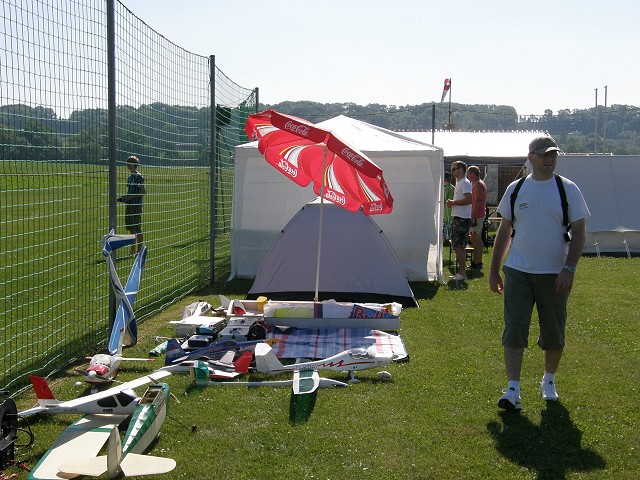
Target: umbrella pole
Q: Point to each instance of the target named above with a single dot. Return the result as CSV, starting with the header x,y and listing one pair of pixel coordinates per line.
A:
x,y
324,158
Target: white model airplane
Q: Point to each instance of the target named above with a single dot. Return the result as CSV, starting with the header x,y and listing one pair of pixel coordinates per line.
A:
x,y
349,361
118,400
75,450
103,368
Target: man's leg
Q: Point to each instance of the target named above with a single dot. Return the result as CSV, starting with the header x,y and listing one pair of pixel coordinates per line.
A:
x,y
461,260
139,240
132,249
513,362
476,242
552,360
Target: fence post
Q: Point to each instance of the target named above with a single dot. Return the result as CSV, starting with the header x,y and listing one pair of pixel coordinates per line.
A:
x,y
214,177
111,132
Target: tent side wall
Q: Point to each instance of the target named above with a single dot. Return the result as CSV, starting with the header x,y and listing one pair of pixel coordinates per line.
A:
x,y
608,184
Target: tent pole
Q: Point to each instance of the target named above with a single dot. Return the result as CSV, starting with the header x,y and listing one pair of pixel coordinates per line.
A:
x,y
324,161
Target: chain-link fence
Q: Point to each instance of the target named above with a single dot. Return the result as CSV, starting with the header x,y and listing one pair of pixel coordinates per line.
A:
x,y
83,85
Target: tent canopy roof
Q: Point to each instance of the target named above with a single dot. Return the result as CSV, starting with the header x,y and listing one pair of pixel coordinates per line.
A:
x,y
499,145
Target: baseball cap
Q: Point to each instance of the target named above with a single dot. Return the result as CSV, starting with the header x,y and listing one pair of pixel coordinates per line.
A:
x,y
543,144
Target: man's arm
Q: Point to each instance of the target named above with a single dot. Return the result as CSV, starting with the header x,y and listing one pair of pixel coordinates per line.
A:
x,y
564,282
501,246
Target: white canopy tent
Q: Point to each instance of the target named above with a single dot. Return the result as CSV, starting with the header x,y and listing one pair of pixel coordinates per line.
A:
x,y
608,184
264,200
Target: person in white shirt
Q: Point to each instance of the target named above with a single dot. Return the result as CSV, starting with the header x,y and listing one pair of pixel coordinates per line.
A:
x,y
540,265
460,217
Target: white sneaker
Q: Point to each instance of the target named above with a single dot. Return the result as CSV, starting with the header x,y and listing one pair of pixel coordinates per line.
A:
x,y
549,391
458,278
510,400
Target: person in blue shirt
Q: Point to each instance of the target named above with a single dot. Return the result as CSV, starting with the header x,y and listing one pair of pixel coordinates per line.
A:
x,y
133,203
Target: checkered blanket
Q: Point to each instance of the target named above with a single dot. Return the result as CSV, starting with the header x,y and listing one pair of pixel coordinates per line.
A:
x,y
318,343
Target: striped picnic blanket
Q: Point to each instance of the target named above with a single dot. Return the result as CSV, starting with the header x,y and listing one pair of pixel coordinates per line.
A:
x,y
318,343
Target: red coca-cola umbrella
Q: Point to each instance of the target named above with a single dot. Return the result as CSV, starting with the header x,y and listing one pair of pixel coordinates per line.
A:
x,y
306,153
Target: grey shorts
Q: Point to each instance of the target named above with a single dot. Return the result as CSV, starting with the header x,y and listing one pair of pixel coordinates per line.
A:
x,y
521,292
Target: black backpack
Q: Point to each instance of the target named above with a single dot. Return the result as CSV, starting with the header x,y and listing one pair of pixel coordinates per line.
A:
x,y
563,201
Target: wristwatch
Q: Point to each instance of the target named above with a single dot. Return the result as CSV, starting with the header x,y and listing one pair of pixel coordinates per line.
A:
x,y
570,268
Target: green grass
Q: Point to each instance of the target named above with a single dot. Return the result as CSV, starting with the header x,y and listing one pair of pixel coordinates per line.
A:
x,y
437,417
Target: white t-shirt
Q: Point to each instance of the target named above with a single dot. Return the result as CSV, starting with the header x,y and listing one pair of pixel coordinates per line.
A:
x,y
463,211
538,245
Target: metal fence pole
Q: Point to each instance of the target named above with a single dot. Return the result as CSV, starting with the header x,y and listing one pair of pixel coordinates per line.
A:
x,y
113,178
214,177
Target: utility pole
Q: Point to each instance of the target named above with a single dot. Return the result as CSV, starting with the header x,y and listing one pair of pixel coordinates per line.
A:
x,y
595,136
604,127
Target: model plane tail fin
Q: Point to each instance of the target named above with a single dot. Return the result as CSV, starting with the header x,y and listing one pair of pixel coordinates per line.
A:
x,y
43,392
173,353
199,373
266,360
242,364
114,462
305,381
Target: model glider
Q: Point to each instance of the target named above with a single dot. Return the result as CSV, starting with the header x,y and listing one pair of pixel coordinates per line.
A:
x,y
118,400
200,376
126,458
103,368
349,361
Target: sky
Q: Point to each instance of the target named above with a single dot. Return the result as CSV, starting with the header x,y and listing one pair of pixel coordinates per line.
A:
x,y
534,56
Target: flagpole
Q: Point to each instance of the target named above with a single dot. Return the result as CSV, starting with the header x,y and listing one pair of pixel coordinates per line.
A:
x,y
450,82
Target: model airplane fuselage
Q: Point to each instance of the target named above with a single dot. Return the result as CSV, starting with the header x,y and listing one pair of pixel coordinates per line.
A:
x,y
347,361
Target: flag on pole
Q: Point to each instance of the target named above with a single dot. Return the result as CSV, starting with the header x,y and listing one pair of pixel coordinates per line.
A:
x,y
447,86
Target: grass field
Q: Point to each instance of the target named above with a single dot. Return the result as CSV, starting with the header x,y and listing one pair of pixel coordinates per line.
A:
x,y
437,417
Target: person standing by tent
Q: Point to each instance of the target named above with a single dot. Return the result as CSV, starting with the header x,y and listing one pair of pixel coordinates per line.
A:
x,y
478,212
133,203
461,217
540,266
448,195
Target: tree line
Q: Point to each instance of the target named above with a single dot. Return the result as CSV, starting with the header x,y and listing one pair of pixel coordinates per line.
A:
x,y
618,126
164,134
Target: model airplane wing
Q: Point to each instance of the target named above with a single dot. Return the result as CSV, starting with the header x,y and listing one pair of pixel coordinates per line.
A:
x,y
125,325
123,387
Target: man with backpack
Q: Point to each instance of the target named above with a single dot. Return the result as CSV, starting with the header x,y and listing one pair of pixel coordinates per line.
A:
x,y
541,259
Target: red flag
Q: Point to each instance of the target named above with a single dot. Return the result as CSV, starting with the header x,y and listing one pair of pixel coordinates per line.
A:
x,y
447,86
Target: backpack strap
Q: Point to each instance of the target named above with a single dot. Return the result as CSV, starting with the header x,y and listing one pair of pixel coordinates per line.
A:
x,y
512,200
565,207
